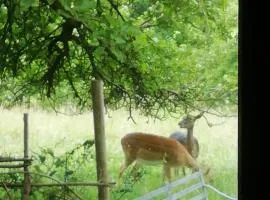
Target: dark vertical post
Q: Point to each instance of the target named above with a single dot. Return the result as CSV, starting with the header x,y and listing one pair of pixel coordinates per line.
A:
x,y
98,113
27,185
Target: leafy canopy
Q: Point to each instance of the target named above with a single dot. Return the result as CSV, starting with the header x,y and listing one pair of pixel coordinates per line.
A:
x,y
156,56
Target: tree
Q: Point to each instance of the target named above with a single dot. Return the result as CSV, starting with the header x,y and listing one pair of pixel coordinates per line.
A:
x,y
159,57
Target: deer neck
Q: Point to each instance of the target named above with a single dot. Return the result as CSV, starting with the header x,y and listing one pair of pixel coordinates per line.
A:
x,y
190,139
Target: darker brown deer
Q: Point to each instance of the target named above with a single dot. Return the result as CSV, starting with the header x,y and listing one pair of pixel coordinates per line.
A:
x,y
188,140
188,123
144,148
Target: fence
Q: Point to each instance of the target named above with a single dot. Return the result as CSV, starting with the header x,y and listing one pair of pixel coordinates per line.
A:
x,y
190,187
25,163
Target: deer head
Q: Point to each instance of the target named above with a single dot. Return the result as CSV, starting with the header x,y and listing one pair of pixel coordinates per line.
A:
x,y
189,120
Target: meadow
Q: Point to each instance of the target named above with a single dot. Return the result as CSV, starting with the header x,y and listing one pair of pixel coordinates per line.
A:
x,y
61,133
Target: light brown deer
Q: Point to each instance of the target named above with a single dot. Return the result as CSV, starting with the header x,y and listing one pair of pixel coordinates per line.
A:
x,y
144,148
182,138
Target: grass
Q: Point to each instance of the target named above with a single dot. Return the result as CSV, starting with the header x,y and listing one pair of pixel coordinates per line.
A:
x,y
218,145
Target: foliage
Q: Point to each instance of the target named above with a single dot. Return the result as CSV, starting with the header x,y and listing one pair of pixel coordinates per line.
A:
x,y
47,167
130,180
11,178
156,56
66,167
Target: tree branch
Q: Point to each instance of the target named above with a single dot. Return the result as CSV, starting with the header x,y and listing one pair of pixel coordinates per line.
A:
x,y
116,9
212,124
76,93
6,189
49,177
99,8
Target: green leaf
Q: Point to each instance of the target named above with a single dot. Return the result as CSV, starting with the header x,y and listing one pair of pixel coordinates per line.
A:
x,y
37,168
42,158
118,53
119,40
50,152
59,162
69,172
25,4
100,52
52,173
84,5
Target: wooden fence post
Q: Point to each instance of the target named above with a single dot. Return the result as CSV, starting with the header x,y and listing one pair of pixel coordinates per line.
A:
x,y
98,113
27,183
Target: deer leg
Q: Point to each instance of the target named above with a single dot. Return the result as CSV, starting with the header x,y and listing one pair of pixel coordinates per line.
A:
x,y
128,161
166,173
134,171
176,172
184,171
122,169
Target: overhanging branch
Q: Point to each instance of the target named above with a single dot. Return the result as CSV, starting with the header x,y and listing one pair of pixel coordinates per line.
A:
x,y
114,6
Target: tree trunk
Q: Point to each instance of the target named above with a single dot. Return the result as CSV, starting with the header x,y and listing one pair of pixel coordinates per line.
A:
x,y
98,112
27,180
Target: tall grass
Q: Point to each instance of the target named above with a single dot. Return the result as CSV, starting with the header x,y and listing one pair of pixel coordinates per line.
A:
x,y
218,145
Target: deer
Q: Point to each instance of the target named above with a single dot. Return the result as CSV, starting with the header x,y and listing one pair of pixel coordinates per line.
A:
x,y
181,137
147,148
188,122
191,142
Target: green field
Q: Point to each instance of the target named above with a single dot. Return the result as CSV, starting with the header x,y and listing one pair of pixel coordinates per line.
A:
x,y
218,146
